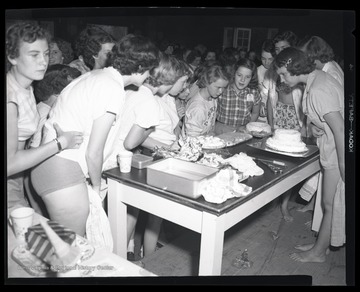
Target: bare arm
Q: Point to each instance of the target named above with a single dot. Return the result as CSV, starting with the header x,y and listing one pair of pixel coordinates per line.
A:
x,y
21,159
255,112
136,136
150,143
336,124
270,113
95,150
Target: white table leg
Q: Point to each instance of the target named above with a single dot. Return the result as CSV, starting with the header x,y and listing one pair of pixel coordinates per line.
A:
x,y
318,212
212,244
117,213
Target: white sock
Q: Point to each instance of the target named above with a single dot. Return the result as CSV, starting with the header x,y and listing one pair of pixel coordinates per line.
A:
x,y
131,246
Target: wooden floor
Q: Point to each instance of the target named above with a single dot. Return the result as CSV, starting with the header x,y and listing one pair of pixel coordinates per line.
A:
x,y
269,241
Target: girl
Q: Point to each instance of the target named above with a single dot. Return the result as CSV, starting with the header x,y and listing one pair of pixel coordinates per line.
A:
x,y
91,103
267,57
200,112
323,103
239,104
27,56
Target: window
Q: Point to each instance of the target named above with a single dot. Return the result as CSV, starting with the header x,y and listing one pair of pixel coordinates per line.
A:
x,y
237,37
242,38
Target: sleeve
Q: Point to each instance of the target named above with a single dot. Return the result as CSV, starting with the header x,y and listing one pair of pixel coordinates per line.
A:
x,y
110,97
325,99
11,97
195,117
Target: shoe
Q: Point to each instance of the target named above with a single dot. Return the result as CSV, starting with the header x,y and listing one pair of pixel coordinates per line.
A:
x,y
130,256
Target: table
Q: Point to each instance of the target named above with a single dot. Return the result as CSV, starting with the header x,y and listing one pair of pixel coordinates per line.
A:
x,y
102,264
210,220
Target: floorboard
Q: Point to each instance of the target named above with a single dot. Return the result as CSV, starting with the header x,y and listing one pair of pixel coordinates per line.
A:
x,y
268,239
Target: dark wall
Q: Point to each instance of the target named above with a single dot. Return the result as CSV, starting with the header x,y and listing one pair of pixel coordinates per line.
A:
x,y
192,26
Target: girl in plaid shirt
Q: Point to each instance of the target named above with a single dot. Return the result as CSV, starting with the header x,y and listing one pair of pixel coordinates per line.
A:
x,y
239,104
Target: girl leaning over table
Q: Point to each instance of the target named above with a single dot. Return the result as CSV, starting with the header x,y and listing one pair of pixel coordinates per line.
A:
x,y
150,110
91,104
323,104
27,57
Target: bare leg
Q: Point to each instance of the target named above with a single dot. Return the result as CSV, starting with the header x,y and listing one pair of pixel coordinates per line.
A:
x,y
284,206
32,195
308,207
151,234
69,207
132,215
318,252
305,247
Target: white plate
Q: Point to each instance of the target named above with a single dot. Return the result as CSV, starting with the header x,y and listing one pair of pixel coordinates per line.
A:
x,y
262,146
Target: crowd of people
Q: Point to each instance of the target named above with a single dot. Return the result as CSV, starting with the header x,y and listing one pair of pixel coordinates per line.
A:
x,y
72,107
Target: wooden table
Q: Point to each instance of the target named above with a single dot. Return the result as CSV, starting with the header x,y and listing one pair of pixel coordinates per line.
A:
x,y
210,220
102,264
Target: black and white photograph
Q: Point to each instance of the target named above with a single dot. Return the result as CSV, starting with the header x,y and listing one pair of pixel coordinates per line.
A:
x,y
180,146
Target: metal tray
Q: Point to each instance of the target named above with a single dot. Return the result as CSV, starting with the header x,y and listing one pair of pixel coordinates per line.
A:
x,y
178,176
262,146
234,138
230,139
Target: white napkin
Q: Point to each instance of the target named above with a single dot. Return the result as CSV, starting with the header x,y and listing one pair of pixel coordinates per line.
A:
x,y
98,230
224,185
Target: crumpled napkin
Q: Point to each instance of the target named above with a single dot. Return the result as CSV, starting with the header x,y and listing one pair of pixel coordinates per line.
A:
x,y
224,185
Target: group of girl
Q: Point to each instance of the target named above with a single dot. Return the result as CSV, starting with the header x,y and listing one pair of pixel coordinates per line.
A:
x,y
143,98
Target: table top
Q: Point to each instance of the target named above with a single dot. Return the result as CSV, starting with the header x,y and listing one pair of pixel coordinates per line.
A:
x,y
137,177
102,263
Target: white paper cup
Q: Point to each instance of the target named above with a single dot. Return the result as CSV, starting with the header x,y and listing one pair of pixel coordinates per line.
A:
x,y
124,159
21,219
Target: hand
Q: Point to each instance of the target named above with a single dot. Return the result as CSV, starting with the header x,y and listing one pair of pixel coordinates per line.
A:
x,y
316,131
175,146
180,111
68,140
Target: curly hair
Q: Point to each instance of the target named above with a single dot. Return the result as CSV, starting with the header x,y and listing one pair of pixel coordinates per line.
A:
x,y
134,54
295,61
316,48
247,63
211,74
65,48
56,78
22,32
288,36
170,69
268,46
89,42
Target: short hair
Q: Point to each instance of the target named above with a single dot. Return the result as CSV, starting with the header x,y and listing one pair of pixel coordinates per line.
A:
x,y
192,56
247,63
288,36
169,70
268,46
134,54
65,48
295,61
22,32
56,78
89,42
211,74
316,48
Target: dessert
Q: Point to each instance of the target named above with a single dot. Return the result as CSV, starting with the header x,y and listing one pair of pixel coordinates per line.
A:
x,y
286,140
211,142
258,129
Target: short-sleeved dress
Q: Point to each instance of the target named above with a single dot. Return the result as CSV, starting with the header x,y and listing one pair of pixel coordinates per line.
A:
x,y
28,119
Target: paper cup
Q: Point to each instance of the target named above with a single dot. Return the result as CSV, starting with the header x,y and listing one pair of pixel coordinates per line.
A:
x,y
21,219
124,159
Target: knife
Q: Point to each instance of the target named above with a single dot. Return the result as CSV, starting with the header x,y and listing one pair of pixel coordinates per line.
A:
x,y
270,161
